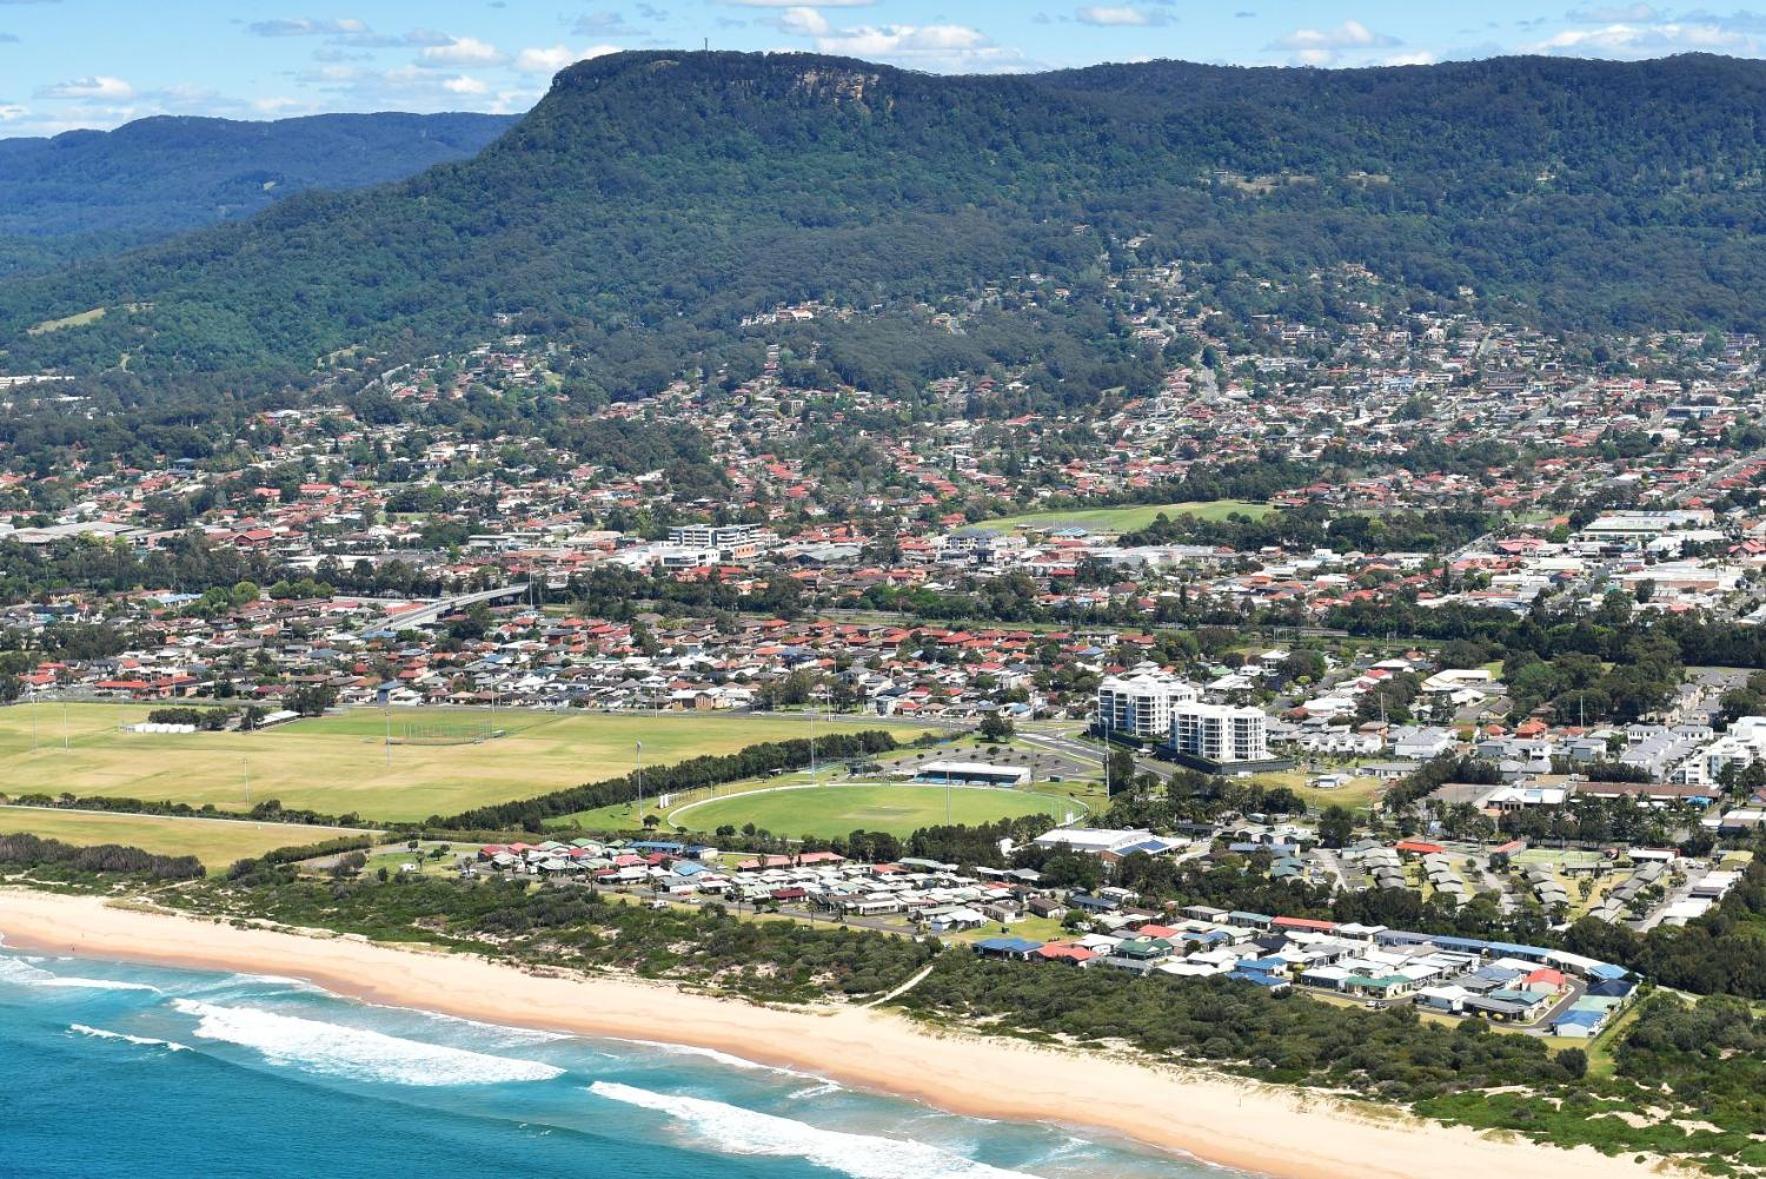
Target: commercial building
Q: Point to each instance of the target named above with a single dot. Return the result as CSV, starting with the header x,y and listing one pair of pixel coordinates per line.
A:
x,y
714,536
1091,840
972,773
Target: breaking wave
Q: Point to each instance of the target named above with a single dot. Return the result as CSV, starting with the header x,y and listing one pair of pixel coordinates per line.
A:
x,y
725,1058
338,1050
17,970
144,1041
735,1130
93,984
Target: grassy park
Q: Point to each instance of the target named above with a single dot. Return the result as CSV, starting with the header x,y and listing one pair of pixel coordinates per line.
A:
x,y
897,808
339,764
1128,517
216,842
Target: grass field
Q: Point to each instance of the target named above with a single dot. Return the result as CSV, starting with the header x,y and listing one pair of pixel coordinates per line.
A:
x,y
216,842
1129,517
1356,794
338,764
838,810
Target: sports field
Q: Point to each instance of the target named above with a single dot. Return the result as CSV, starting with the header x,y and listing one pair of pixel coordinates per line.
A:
x,y
899,809
340,764
1129,517
216,842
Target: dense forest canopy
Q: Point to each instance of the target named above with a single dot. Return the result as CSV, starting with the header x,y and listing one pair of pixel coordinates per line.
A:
x,y
669,195
89,192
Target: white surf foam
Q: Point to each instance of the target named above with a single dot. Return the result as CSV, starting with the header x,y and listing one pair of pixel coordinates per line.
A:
x,y
25,972
338,1050
94,984
144,1041
277,980
725,1058
748,1132
17,970
823,1090
510,1035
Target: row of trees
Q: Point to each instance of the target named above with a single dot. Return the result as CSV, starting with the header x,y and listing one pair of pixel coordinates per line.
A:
x,y
709,770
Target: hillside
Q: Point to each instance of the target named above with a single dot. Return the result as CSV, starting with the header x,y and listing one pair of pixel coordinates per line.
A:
x,y
652,199
86,191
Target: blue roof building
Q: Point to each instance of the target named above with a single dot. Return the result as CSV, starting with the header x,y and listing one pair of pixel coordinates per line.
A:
x,y
1007,947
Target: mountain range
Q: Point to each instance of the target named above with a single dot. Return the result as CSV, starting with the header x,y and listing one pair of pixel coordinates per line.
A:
x,y
90,192
652,200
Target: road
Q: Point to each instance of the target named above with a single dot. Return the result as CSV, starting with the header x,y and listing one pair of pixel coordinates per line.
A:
x,y
1091,756
426,614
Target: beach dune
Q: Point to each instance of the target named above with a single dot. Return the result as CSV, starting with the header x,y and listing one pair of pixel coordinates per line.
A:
x,y
1246,1125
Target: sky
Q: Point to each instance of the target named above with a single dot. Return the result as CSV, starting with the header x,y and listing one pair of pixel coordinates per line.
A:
x,y
98,63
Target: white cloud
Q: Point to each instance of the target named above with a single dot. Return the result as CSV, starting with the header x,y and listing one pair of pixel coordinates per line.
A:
x,y
1121,16
98,86
465,84
799,3
551,59
462,51
1323,47
804,22
940,46
1613,13
1420,57
305,27
888,40
1629,40
1351,34
274,105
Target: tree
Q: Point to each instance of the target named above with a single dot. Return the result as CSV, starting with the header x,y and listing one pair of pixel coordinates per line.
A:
x,y
996,727
1574,1062
1120,766
350,864
1336,826
1072,870
311,699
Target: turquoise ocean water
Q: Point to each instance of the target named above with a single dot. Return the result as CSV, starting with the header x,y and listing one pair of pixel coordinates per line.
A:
x,y
151,1073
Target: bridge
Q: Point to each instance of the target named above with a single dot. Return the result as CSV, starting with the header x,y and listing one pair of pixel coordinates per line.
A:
x,y
428,612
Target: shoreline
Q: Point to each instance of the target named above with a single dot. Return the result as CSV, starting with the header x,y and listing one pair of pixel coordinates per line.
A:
x,y
1245,1124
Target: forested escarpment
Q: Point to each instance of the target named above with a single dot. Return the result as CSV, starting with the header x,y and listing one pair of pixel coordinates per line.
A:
x,y
652,200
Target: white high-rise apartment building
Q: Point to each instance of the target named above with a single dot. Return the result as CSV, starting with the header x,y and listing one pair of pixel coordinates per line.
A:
x,y
1220,732
1140,703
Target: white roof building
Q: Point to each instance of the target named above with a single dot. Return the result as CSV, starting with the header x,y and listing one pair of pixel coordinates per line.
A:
x,y
1092,840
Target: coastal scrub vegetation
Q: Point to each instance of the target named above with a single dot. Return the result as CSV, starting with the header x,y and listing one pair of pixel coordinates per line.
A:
x,y
53,860
770,960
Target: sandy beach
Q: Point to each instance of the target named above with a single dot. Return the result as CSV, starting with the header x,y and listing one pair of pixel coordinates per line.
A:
x,y
1240,1124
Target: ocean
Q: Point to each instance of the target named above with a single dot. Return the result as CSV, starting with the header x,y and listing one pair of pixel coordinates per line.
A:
x,y
115,1069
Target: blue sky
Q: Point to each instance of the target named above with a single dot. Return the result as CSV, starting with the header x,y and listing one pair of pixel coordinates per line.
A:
x,y
97,63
